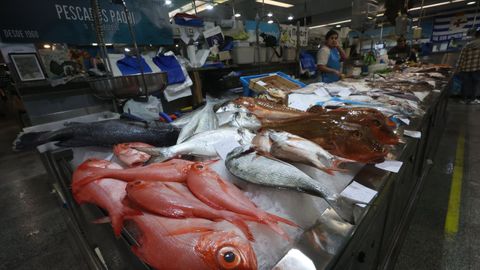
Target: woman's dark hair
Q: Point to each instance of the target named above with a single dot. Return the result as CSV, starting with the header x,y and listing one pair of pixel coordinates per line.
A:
x,y
331,33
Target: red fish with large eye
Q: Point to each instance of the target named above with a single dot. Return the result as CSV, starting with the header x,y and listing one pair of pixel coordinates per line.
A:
x,y
174,170
211,189
266,110
130,156
191,243
106,193
176,201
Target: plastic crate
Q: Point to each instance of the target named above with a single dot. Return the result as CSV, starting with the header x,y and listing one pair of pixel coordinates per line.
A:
x,y
245,80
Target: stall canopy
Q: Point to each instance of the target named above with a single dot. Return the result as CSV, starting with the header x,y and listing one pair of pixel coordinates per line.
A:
x,y
68,21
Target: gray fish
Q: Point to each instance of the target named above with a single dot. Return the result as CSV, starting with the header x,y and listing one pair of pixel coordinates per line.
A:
x,y
229,106
251,167
104,133
240,120
200,145
257,169
201,121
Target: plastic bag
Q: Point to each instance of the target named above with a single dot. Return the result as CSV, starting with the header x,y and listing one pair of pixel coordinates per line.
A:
x,y
148,111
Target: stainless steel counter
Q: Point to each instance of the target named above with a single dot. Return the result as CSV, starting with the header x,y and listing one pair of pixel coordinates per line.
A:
x,y
373,242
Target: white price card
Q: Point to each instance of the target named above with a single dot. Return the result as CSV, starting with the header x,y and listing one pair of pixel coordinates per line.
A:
x,y
224,147
359,193
390,165
412,133
405,120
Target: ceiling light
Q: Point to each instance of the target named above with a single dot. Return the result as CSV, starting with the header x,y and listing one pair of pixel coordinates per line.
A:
x,y
436,5
127,49
290,18
471,3
275,3
168,2
237,15
94,44
47,46
338,26
269,14
270,21
209,7
329,24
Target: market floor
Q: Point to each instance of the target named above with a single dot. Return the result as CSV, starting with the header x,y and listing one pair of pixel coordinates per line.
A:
x,y
439,236
33,231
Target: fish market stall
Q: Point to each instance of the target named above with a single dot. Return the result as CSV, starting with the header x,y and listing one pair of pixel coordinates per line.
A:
x,y
326,178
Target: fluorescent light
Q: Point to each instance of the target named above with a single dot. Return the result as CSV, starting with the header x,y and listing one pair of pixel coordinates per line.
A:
x,y
290,18
238,15
108,44
209,7
338,26
168,2
127,49
270,21
269,14
94,44
380,14
436,5
47,46
471,3
329,24
275,3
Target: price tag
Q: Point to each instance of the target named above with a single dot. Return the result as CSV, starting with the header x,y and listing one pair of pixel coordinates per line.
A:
x,y
390,165
224,147
359,193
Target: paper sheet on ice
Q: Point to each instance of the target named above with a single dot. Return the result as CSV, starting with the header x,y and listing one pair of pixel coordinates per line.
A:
x,y
304,101
224,147
359,192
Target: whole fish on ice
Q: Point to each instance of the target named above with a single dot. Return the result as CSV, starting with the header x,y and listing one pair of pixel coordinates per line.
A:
x,y
201,121
174,170
106,193
211,189
176,201
105,133
191,243
251,167
239,120
200,145
289,147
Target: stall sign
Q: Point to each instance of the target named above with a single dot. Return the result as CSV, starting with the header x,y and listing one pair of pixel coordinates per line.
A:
x,y
267,28
453,26
71,21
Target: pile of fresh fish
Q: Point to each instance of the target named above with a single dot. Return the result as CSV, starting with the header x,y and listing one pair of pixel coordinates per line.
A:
x,y
180,207
105,133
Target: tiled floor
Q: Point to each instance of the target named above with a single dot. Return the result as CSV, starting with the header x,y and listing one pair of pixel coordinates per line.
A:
x,y
33,231
426,245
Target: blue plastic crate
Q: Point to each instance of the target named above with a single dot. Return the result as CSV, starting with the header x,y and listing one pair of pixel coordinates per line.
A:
x,y
245,80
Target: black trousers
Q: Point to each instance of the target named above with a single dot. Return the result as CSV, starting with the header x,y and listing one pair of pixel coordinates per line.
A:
x,y
470,84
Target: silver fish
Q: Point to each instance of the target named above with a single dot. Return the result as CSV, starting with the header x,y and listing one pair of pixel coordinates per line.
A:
x,y
251,167
262,143
239,120
246,164
200,145
231,107
202,121
289,147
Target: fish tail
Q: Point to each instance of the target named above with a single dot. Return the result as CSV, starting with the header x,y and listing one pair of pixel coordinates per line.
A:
x,y
275,218
242,226
28,141
159,154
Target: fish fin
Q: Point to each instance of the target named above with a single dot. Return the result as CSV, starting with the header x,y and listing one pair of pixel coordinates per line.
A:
x,y
276,228
222,184
102,220
190,230
282,220
28,141
240,223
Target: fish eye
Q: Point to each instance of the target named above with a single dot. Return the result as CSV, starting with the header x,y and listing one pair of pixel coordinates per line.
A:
x,y
199,167
238,106
249,114
228,258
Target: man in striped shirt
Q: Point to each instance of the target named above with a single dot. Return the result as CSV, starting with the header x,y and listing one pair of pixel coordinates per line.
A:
x,y
469,70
